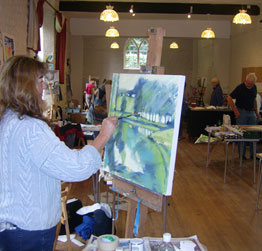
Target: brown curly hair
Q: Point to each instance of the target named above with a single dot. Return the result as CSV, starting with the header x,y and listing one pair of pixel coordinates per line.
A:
x,y
18,78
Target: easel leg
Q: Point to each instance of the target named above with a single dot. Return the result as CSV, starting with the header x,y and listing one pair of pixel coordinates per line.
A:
x,y
225,171
254,159
94,186
113,213
241,155
164,214
208,149
232,155
131,215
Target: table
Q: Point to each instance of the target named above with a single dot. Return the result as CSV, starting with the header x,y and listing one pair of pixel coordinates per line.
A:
x,y
240,140
77,117
151,243
198,118
90,128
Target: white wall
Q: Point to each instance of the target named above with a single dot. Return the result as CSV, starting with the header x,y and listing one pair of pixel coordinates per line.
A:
x,y
49,30
212,59
13,22
224,57
246,49
243,49
77,66
101,61
195,58
139,27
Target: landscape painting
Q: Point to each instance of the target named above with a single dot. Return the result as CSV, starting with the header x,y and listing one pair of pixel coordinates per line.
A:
x,y
143,148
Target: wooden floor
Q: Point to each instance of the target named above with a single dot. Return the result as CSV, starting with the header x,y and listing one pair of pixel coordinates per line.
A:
x,y
222,215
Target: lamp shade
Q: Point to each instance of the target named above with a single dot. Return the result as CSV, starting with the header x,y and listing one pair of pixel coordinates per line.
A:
x,y
112,32
109,15
114,45
208,33
242,18
174,45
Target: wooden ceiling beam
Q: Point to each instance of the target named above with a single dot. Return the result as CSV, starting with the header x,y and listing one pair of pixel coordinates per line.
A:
x,y
159,8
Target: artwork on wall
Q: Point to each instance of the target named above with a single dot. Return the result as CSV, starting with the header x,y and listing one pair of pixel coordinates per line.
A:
x,y
143,148
49,59
9,46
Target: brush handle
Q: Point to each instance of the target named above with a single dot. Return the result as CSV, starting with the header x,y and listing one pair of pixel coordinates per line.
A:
x,y
125,116
135,115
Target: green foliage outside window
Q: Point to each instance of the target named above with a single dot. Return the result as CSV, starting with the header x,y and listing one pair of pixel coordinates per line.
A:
x,y
136,53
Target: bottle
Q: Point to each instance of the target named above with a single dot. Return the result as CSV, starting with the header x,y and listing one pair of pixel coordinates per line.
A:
x,y
166,245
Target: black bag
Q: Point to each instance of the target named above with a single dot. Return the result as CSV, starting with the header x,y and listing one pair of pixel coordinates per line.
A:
x,y
73,218
103,224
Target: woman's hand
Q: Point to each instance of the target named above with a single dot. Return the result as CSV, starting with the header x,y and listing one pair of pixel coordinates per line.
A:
x,y
108,127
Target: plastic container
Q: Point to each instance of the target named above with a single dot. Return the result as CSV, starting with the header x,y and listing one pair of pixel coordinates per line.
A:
x,y
166,245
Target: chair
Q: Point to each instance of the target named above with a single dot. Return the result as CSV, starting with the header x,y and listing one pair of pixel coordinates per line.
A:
x,y
259,155
65,189
78,118
71,134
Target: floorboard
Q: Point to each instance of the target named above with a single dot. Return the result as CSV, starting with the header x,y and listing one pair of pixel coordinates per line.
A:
x,y
222,215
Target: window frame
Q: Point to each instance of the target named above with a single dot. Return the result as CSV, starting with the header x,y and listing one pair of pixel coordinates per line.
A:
x,y
127,43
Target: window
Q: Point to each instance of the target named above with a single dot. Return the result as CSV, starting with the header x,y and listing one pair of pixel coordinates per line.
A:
x,y
135,53
40,54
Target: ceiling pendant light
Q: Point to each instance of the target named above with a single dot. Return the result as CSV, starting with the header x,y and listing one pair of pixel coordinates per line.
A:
x,y
189,15
114,45
109,15
131,11
242,18
208,33
174,45
112,32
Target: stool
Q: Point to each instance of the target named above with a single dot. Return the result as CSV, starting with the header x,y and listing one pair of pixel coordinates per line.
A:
x,y
258,155
241,141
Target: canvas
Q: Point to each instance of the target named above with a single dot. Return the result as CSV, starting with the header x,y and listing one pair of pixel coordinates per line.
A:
x,y
143,148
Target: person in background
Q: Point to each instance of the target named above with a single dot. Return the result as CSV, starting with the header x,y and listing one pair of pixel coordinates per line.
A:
x,y
217,94
34,161
100,95
98,107
245,107
89,92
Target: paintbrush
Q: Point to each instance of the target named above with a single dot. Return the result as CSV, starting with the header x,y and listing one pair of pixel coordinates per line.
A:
x,y
126,116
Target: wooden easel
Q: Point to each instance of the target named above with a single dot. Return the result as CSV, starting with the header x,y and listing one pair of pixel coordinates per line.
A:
x,y
54,106
155,44
135,193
